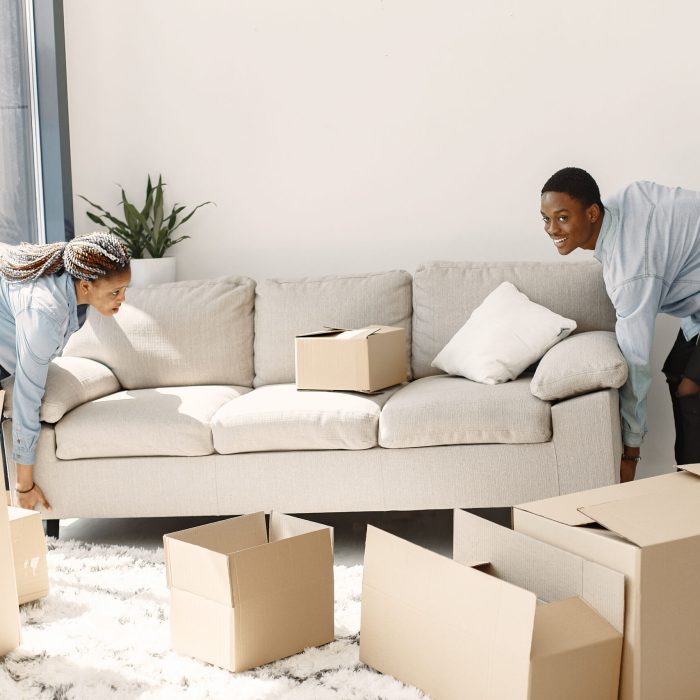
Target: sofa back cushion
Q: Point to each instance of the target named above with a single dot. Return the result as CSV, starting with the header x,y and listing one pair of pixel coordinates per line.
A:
x,y
446,293
195,332
286,307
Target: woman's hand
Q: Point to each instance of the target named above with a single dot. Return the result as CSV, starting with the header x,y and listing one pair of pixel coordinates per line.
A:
x,y
29,499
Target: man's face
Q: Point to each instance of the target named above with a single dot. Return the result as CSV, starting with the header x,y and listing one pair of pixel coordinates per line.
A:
x,y
568,223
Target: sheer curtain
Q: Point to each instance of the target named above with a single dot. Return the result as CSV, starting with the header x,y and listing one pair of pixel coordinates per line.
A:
x,y
18,196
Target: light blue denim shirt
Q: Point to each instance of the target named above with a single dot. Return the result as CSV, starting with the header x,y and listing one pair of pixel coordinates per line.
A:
x,y
649,245
36,320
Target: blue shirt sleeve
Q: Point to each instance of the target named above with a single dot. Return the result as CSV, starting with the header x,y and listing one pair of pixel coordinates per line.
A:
x,y
38,341
636,303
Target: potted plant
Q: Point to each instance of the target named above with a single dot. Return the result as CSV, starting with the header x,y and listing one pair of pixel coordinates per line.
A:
x,y
147,232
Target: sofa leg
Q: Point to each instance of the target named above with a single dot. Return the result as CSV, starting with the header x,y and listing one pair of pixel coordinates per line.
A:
x,y
52,527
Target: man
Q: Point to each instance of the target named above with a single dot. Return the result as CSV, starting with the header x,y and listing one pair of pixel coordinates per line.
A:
x,y
648,240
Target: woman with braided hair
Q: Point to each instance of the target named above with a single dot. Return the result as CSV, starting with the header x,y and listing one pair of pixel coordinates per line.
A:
x,y
41,287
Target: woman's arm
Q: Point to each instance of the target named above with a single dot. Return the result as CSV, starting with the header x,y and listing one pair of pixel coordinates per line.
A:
x,y
38,340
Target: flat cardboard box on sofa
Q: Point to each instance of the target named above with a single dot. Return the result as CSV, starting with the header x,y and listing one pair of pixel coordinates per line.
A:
x,y
538,624
240,599
649,530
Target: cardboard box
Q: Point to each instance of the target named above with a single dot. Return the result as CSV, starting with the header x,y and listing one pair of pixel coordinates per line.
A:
x,y
455,631
239,599
365,359
9,610
29,553
649,530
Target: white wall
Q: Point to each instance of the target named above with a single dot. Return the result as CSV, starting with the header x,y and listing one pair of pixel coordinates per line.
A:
x,y
373,134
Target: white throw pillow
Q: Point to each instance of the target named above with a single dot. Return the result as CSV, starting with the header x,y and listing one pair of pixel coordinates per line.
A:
x,y
504,335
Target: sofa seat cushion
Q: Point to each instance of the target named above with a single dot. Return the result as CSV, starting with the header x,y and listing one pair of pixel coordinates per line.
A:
x,y
173,421
445,410
280,417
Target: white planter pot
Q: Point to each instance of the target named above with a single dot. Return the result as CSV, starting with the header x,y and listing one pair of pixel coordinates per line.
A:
x,y
145,271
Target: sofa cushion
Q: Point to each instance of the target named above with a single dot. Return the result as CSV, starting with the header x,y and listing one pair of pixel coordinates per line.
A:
x,y
279,417
172,421
446,293
579,364
70,382
179,334
287,307
446,410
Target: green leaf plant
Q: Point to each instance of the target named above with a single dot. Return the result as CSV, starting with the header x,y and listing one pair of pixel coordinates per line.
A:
x,y
146,230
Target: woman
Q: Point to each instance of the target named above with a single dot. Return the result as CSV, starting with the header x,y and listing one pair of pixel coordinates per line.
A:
x,y
41,287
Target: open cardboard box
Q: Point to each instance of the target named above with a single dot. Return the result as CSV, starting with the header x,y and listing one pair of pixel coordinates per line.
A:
x,y
455,631
649,530
29,554
240,599
364,359
9,610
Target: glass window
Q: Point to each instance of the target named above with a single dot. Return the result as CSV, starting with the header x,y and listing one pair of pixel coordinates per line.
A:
x,y
19,214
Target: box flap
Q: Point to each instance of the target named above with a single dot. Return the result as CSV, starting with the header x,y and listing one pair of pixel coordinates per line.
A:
x,y
551,573
283,526
567,509
567,625
198,559
651,519
421,609
359,333
15,513
324,332
292,563
691,468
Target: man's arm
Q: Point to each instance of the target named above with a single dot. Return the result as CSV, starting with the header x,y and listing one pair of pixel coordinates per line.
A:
x,y
636,303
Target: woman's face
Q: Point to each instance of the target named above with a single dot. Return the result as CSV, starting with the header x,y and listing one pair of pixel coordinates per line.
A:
x,y
105,294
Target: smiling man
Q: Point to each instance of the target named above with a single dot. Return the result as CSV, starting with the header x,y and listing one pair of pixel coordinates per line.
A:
x,y
648,240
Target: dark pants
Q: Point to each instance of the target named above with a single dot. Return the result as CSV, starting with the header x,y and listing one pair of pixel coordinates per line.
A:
x,y
684,361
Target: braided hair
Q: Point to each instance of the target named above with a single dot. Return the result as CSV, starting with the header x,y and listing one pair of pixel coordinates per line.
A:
x,y
86,258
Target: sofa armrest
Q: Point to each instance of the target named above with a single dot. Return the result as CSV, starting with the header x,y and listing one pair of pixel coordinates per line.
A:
x,y
71,381
587,440
580,364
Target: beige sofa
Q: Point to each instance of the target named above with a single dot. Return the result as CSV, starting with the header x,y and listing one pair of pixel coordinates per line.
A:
x,y
185,404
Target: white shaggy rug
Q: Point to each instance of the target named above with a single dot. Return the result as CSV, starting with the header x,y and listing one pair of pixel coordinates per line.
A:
x,y
103,632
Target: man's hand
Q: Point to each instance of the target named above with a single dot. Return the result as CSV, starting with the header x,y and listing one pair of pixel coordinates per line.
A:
x,y
687,387
628,463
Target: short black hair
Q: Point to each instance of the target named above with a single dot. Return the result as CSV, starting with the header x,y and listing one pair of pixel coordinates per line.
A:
x,y
577,183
